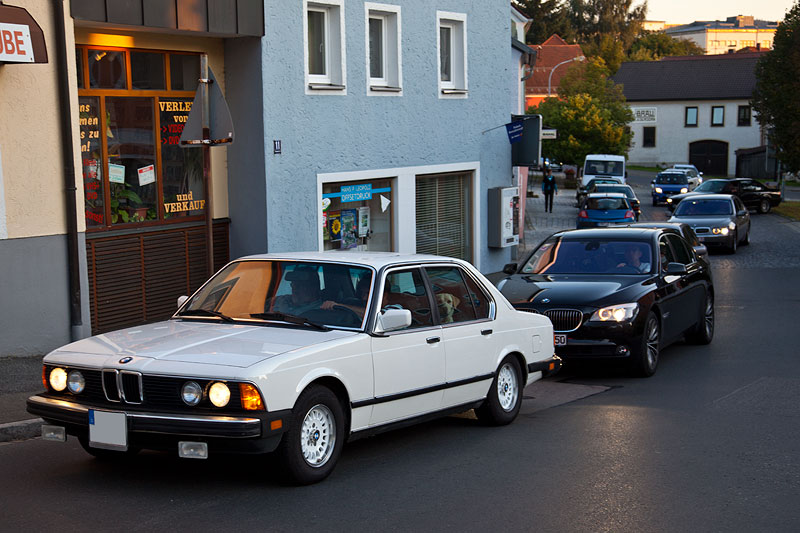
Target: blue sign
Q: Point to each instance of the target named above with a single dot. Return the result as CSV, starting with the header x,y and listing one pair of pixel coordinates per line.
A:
x,y
514,130
356,193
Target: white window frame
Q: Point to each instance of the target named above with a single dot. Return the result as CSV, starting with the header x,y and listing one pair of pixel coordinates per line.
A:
x,y
457,87
334,81
391,84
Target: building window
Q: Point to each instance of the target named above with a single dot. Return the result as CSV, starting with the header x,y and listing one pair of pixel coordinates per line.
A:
x,y
690,120
743,116
383,49
324,41
452,48
358,214
718,116
443,204
134,171
649,137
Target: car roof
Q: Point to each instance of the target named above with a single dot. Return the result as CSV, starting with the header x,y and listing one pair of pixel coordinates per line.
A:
x,y
613,232
376,260
710,196
673,171
605,195
615,185
606,157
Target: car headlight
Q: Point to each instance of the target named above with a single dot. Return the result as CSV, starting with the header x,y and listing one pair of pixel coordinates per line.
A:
x,y
191,393
219,394
58,379
75,382
699,180
615,313
659,190
731,226
669,200
720,231
684,190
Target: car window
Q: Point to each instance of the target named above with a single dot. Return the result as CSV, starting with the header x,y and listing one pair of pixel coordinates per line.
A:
x,y
453,299
738,203
672,179
665,253
690,207
405,289
682,252
605,204
590,256
481,300
714,186
690,236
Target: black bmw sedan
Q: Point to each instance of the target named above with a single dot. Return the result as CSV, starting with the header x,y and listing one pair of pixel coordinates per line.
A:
x,y
616,293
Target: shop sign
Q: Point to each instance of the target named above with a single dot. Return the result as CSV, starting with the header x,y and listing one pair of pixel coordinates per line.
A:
x,y
356,193
185,203
644,114
514,131
15,43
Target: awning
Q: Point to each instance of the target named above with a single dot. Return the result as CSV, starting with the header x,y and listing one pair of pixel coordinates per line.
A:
x,y
21,38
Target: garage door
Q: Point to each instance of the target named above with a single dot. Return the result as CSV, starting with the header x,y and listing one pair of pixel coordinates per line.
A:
x,y
710,157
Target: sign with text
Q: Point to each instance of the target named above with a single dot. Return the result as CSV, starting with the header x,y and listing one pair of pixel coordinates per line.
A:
x,y
355,193
15,43
549,134
514,131
644,114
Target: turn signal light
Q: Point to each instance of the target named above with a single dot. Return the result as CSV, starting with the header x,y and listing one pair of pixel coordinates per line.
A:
x,y
251,399
44,377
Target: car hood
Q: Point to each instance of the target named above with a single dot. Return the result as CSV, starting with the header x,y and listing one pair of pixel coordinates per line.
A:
x,y
703,221
572,289
238,345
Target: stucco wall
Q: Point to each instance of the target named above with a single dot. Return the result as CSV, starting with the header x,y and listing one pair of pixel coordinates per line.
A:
x,y
331,133
673,138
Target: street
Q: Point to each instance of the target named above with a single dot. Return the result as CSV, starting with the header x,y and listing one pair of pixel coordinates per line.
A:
x,y
708,443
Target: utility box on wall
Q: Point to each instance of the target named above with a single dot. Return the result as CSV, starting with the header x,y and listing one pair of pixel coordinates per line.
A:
x,y
503,217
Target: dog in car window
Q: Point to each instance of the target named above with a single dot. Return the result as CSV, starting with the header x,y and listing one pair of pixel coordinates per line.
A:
x,y
447,306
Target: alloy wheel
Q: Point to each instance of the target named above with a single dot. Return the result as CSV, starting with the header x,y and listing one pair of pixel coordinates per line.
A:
x,y
708,317
652,341
318,435
507,387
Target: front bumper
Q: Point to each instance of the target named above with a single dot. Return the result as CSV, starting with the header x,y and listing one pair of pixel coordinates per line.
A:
x,y
252,433
547,367
601,341
709,239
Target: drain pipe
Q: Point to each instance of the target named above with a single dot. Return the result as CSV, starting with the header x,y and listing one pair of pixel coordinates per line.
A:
x,y
65,110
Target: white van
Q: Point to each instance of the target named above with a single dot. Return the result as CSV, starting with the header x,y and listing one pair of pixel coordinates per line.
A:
x,y
603,166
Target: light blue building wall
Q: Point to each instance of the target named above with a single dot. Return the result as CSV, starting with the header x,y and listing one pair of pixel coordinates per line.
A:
x,y
275,199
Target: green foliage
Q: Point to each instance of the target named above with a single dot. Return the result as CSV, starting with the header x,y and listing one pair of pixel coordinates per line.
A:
x,y
548,17
617,20
775,98
608,49
653,46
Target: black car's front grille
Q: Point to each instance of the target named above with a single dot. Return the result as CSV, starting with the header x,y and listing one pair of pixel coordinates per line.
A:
x,y
564,320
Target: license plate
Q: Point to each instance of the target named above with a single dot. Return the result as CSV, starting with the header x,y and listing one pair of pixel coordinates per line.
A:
x,y
108,430
701,239
559,339
602,224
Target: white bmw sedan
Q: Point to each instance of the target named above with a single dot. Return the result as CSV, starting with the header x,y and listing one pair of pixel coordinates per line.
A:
x,y
297,353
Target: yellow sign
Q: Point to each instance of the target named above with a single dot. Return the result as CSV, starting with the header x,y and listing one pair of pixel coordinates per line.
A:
x,y
185,203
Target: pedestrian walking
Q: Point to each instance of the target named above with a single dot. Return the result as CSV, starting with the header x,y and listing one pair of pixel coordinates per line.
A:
x,y
549,188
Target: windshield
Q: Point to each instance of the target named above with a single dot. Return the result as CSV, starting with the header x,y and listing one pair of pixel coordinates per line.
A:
x,y
606,204
711,186
689,207
612,168
590,256
627,191
327,294
672,179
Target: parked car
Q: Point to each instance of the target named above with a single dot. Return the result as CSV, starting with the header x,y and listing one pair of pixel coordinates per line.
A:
x,y
553,165
694,175
605,209
753,194
627,190
686,232
616,294
298,353
717,219
582,191
669,183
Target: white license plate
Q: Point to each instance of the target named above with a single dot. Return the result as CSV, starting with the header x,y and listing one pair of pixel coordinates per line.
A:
x,y
602,224
559,339
108,430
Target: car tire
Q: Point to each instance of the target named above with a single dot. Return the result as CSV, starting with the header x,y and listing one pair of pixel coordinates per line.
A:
x,y
763,206
746,239
704,331
505,395
645,360
107,455
734,243
311,446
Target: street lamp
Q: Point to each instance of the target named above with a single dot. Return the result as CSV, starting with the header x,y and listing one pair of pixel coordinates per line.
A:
x,y
550,78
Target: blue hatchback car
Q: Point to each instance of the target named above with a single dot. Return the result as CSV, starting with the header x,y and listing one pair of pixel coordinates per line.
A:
x,y
669,183
605,209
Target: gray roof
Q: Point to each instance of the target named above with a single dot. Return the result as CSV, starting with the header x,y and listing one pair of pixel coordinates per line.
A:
x,y
748,23
723,77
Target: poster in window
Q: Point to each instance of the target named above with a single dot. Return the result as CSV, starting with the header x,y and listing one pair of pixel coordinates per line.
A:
x,y
116,173
363,221
335,225
349,228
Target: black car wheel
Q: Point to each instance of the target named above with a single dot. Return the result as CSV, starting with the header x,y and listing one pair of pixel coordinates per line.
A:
x,y
746,239
704,331
505,395
646,358
763,206
734,243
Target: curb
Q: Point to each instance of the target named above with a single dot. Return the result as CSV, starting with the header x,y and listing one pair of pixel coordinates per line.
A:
x,y
22,430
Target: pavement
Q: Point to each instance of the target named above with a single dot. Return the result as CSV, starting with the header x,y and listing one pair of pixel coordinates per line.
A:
x,y
21,378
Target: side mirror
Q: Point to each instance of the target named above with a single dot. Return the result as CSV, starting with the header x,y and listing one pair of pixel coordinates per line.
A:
x,y
392,320
700,173
653,181
182,300
741,212
700,249
676,269
510,269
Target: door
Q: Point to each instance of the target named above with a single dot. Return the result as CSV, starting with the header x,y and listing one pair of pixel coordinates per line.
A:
x,y
670,294
751,193
742,218
691,290
710,157
408,365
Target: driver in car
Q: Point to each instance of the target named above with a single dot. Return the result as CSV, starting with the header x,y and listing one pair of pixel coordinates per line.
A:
x,y
633,256
305,295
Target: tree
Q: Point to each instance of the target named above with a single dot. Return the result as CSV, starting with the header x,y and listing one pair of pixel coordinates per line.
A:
x,y
654,46
777,86
547,17
614,19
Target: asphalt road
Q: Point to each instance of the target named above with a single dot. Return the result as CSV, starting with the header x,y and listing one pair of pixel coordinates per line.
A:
x,y
710,443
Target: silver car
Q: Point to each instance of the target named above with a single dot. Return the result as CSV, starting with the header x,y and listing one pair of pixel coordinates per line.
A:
x,y
717,219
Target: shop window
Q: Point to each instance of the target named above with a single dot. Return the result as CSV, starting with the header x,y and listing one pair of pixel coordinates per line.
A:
x,y
648,137
358,214
443,215
184,71
79,67
383,42
452,47
691,117
743,116
718,116
107,70
92,160
325,45
147,71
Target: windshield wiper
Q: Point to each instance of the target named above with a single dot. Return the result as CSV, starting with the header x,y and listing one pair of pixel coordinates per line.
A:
x,y
292,319
206,312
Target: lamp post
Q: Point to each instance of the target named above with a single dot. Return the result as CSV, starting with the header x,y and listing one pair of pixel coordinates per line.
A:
x,y
550,78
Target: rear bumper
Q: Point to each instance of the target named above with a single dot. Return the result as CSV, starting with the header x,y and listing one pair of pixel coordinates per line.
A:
x,y
547,367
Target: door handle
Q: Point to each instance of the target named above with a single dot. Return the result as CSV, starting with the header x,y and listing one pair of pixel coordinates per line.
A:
x,y
486,332
432,340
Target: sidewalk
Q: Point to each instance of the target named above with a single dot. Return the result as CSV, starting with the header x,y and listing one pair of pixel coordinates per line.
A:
x,y
21,378
540,225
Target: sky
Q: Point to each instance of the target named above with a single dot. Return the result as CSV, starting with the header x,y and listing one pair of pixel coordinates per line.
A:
x,y
685,11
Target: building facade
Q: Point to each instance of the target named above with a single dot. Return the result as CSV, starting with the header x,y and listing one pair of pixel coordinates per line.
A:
x,y
358,126
722,37
554,58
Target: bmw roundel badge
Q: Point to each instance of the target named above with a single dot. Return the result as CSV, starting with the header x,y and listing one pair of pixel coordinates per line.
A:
x,y
125,360
545,300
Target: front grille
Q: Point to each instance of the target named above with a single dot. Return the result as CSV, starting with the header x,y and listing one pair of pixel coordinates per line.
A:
x,y
110,386
131,385
564,320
